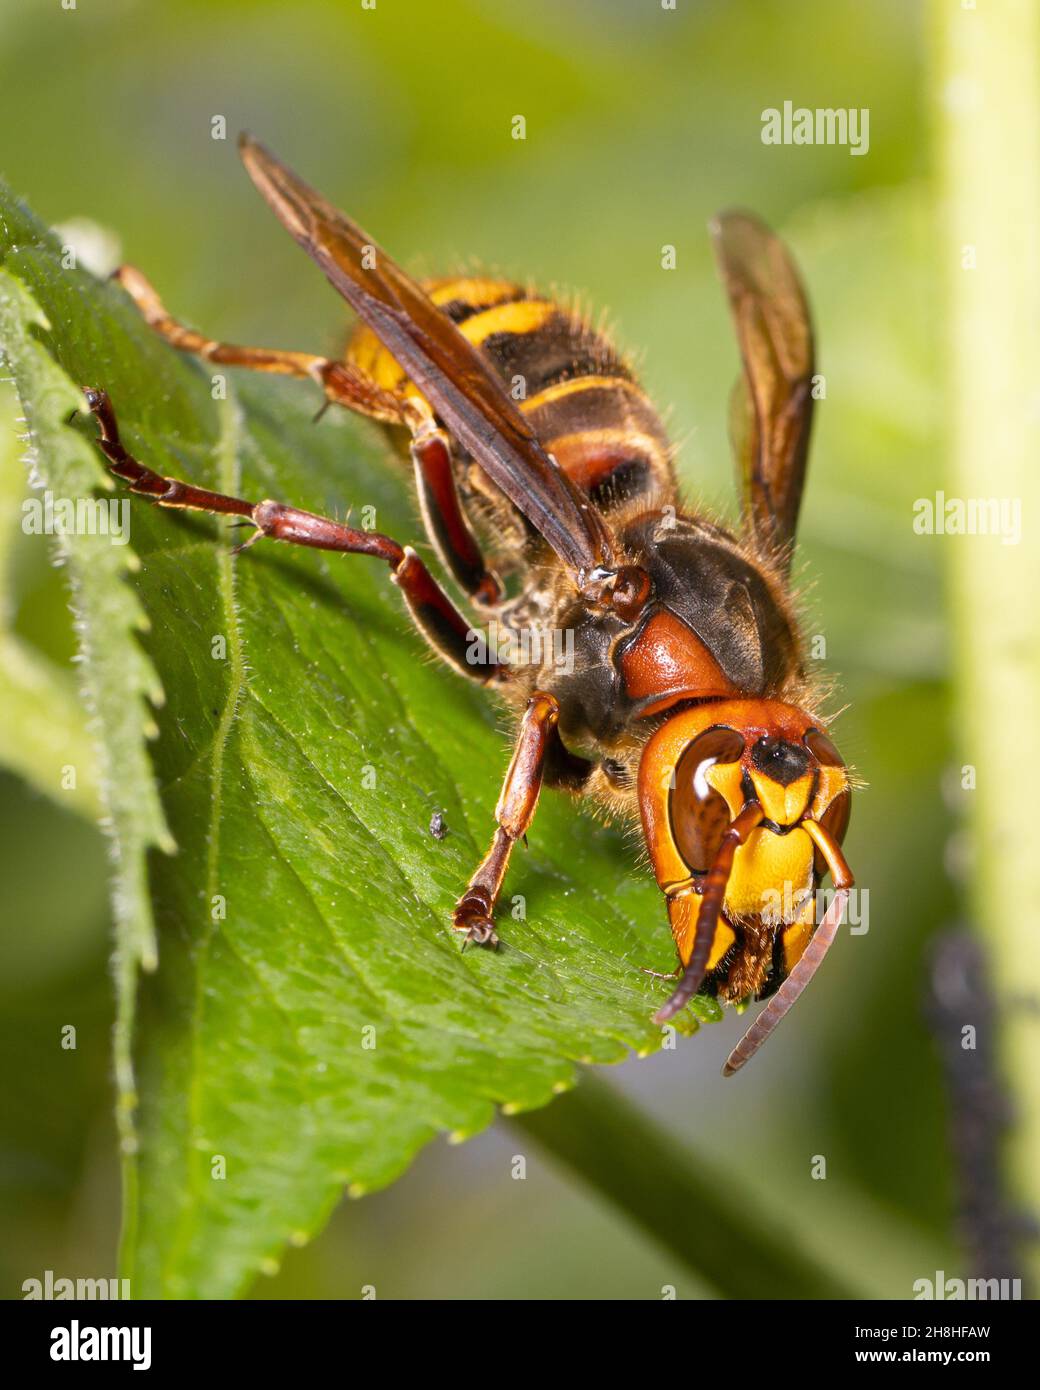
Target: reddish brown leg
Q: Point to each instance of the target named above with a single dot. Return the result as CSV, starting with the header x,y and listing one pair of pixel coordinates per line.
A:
x,y
514,814
438,619
445,522
342,384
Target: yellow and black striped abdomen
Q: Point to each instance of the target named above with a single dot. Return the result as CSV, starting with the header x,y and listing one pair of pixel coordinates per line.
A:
x,y
571,383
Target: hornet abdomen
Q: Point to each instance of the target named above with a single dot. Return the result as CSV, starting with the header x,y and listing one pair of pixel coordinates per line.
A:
x,y
579,394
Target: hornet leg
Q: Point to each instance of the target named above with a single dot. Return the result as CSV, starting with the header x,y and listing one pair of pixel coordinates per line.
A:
x,y
343,384
514,814
440,622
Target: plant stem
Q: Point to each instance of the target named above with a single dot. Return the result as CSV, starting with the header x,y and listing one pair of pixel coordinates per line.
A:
x,y
988,129
691,1209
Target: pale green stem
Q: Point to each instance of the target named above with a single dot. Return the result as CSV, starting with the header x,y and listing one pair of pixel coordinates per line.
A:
x,y
988,127
690,1207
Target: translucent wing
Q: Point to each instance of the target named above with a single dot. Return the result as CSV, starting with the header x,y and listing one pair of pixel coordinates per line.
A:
x,y
448,370
771,411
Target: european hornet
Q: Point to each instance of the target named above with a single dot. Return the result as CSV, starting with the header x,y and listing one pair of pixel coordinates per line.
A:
x,y
686,704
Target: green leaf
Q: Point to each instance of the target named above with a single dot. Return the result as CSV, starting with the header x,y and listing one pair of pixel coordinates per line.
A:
x,y
116,674
312,1021
43,728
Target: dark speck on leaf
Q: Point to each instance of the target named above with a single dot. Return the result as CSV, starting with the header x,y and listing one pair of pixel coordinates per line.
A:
x,y
438,828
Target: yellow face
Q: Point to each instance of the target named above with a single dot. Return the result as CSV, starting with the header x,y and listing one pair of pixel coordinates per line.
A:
x,y
724,757
773,870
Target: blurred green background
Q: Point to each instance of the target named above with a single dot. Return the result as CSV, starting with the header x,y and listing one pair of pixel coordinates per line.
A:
x,y
641,123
